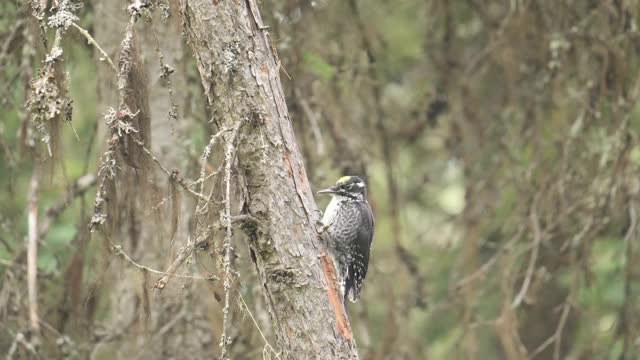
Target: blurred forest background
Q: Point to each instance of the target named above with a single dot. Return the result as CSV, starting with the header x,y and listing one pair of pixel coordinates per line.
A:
x,y
499,140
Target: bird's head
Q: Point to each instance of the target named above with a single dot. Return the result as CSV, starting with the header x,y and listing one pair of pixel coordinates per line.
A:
x,y
348,186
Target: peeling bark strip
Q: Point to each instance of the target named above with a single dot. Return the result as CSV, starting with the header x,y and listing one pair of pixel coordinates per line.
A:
x,y
240,76
335,299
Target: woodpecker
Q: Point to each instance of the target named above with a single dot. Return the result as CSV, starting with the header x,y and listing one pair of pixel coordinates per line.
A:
x,y
348,222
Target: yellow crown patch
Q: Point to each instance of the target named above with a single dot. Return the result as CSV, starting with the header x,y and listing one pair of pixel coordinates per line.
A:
x,y
343,179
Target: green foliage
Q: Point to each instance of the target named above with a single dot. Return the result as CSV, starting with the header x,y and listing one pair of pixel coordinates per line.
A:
x,y
318,66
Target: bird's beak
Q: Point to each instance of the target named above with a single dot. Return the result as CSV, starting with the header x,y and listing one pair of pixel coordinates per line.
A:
x,y
330,190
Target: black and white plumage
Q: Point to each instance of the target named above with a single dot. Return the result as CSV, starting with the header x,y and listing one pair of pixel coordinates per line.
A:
x,y
348,221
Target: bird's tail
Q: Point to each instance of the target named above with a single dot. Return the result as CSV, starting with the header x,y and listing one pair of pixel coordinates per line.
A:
x,y
350,289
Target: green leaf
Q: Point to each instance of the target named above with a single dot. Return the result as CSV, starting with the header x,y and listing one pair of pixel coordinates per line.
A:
x,y
47,262
60,236
318,66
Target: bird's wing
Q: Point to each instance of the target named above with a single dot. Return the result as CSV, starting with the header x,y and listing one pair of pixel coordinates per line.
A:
x,y
358,269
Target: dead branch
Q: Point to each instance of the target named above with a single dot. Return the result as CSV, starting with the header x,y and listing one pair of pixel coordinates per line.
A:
x,y
95,44
117,249
183,254
313,120
537,239
186,251
267,346
174,175
506,325
226,219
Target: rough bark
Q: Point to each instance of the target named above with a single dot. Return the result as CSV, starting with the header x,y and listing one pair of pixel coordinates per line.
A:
x,y
240,75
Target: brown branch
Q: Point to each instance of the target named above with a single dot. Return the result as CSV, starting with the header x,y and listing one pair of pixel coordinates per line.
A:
x,y
481,272
174,175
188,250
182,256
537,239
556,337
506,325
117,249
268,349
563,320
313,120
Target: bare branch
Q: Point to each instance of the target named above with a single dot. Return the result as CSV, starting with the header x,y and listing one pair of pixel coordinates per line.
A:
x,y
174,175
313,119
537,238
226,218
267,346
95,44
118,250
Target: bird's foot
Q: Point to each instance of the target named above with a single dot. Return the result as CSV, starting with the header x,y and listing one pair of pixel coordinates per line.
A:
x,y
321,230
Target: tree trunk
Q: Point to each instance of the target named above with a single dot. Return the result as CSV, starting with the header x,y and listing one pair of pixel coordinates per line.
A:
x,y
240,75
154,324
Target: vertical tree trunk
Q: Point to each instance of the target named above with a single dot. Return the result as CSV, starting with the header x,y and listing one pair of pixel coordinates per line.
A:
x,y
240,74
168,323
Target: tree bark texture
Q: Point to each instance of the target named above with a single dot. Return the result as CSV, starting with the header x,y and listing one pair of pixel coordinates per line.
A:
x,y
240,75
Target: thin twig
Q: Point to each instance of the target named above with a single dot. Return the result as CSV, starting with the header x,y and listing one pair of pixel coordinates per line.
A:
x,y
267,346
313,119
205,156
537,238
173,174
482,271
21,339
171,323
506,325
165,72
188,250
118,250
226,218
184,253
561,324
199,209
542,347
95,44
